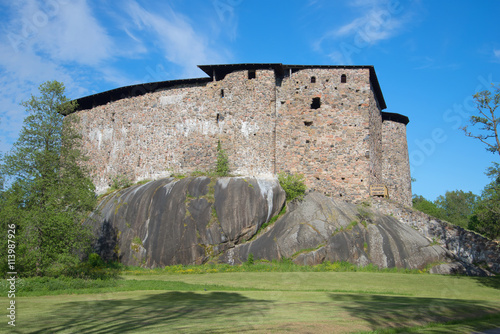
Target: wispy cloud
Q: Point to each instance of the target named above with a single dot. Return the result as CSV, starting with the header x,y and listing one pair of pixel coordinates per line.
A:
x,y
176,36
497,54
77,41
375,21
60,30
43,41
428,63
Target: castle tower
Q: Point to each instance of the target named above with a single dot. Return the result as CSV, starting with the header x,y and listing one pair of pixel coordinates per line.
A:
x,y
396,163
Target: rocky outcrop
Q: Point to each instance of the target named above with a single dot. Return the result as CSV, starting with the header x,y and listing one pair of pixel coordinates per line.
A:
x,y
322,229
186,221
200,219
468,247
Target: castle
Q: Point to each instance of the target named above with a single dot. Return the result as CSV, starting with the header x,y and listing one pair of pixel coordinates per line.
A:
x,y
325,122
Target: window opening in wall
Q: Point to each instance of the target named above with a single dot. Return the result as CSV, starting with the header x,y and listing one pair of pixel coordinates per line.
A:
x,y
222,93
306,123
307,141
313,79
251,74
218,118
316,103
343,78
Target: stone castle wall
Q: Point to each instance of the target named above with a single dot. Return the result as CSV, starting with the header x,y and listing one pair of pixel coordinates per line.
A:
x,y
396,162
329,144
267,124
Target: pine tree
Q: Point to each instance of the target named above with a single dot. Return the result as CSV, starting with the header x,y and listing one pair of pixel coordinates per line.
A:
x,y
50,192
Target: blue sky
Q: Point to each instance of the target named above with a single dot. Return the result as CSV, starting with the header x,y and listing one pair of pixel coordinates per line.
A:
x,y
430,58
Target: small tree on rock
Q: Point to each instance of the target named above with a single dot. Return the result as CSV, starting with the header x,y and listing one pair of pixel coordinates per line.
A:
x,y
222,167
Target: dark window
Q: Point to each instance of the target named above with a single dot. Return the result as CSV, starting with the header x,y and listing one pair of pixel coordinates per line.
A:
x,y
343,78
316,103
306,123
222,93
313,79
251,74
218,118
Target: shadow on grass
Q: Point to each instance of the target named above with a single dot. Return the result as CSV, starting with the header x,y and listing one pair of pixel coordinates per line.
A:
x,y
173,311
397,311
490,282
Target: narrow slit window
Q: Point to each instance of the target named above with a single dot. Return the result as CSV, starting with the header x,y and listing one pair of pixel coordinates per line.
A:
x,y
222,93
251,74
316,103
308,123
218,118
313,79
343,78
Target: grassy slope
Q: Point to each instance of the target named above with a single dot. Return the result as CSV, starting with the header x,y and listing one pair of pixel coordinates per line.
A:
x,y
268,302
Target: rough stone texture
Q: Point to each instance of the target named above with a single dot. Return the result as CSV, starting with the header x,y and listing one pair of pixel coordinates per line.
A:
x,y
265,124
396,162
322,229
331,145
467,246
186,221
193,220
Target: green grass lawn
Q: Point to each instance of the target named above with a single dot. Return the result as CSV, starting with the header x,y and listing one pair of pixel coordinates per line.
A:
x,y
268,302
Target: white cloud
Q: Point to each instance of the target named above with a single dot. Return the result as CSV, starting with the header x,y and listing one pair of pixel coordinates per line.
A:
x,y
61,30
374,26
376,21
176,36
45,40
496,53
67,41
76,35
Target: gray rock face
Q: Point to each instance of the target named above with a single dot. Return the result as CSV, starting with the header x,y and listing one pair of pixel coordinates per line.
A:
x,y
184,221
194,220
460,268
321,229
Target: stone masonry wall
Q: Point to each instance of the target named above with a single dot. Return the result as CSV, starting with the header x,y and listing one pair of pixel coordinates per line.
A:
x,y
329,145
396,162
375,140
176,130
266,125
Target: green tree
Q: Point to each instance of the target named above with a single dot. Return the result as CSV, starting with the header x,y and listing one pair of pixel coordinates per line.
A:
x,y
486,217
486,121
457,206
50,193
428,207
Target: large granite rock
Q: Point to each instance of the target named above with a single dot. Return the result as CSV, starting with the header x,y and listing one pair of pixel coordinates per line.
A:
x,y
322,229
184,221
195,220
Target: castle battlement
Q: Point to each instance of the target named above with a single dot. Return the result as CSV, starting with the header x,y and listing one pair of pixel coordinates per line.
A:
x,y
325,122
